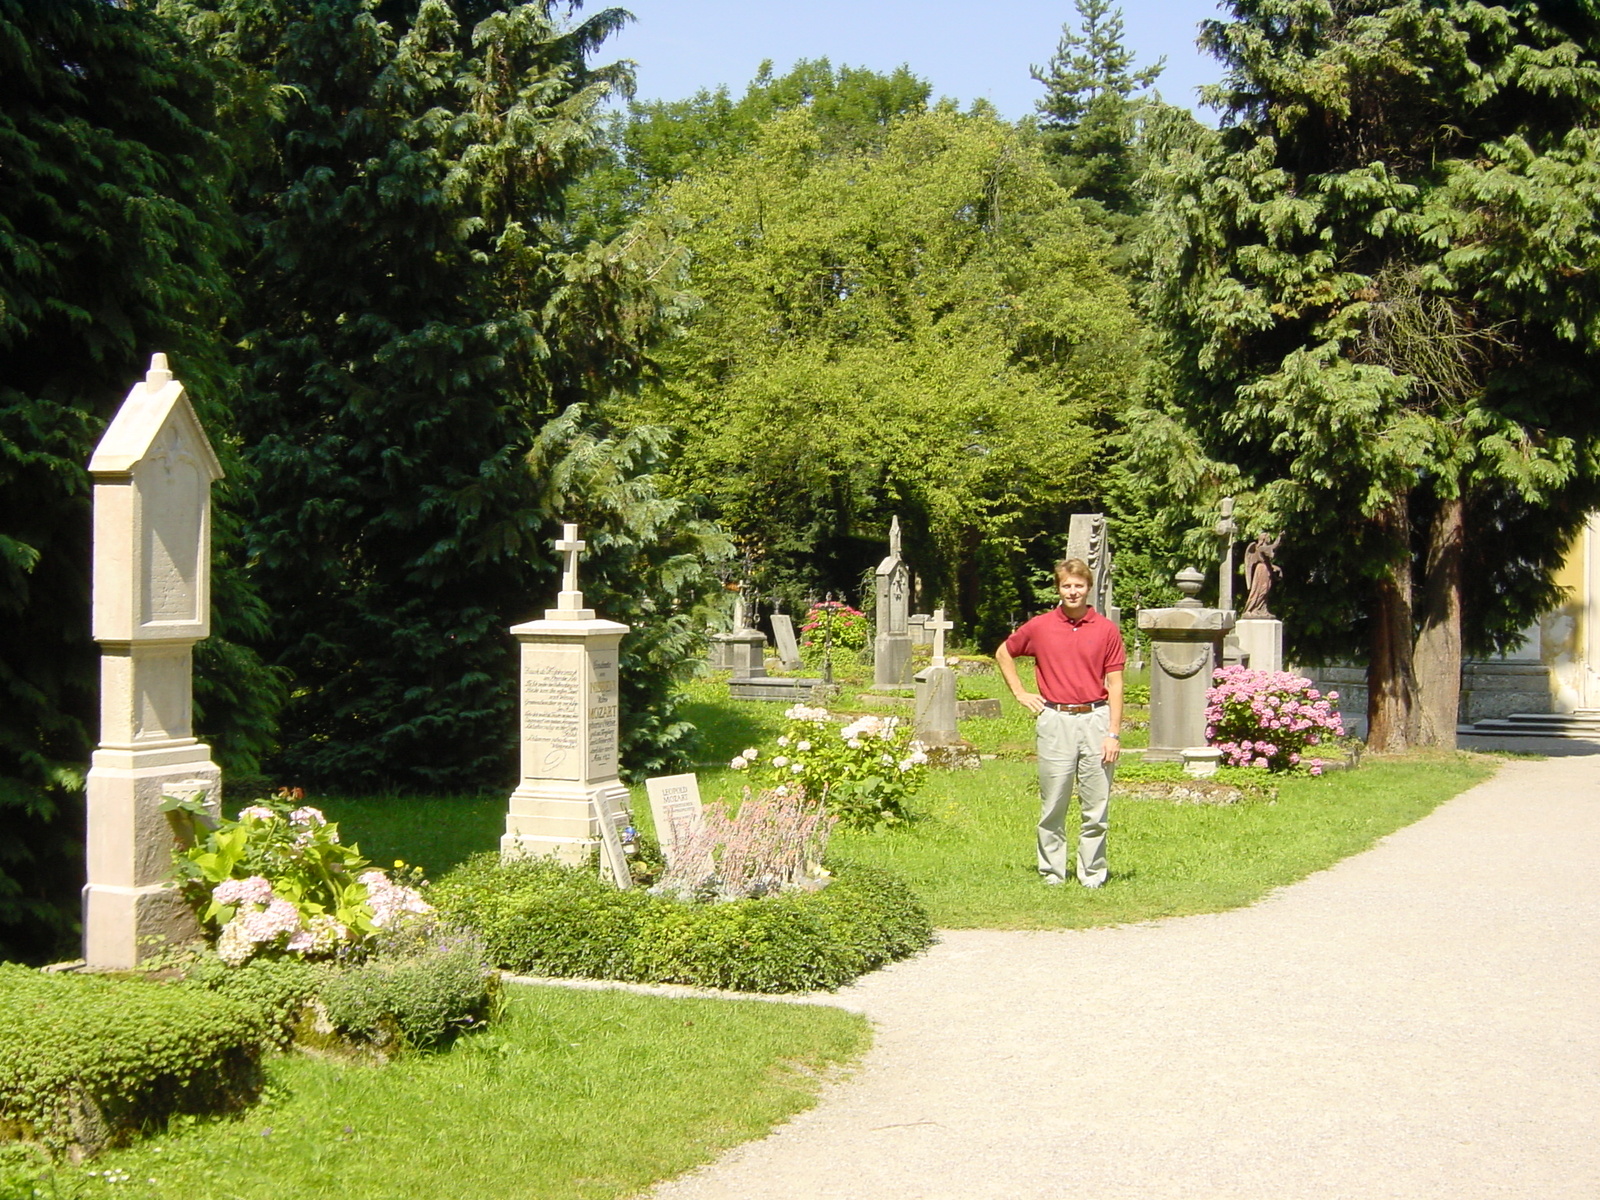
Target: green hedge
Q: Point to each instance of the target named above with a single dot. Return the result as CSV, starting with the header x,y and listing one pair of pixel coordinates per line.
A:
x,y
87,1062
539,917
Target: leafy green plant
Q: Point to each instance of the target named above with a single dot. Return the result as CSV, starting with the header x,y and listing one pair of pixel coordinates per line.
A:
x,y
425,985
278,878
832,624
863,772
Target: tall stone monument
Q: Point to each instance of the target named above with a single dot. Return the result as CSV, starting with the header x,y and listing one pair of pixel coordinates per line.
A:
x,y
1089,539
152,472
1228,529
1185,646
567,728
891,650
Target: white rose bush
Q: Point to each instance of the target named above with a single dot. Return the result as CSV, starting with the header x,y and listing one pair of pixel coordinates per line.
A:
x,y
862,772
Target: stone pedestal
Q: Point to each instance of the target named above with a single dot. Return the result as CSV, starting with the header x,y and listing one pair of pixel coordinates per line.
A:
x,y
935,722
1185,646
891,660
746,651
567,729
151,603
1261,638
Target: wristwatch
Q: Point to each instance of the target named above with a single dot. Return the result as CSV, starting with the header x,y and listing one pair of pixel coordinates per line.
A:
x,y
1116,737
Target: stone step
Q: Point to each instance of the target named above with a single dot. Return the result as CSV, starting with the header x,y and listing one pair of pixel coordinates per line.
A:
x,y
1584,723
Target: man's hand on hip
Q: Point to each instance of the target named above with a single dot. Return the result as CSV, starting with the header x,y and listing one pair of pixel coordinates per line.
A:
x,y
1031,701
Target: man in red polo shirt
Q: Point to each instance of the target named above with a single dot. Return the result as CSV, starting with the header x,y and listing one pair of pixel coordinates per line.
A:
x,y
1078,659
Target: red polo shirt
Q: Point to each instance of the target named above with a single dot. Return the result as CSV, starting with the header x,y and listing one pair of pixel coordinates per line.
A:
x,y
1071,658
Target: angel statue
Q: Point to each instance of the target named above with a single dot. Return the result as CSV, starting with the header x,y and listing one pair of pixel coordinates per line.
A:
x,y
1259,571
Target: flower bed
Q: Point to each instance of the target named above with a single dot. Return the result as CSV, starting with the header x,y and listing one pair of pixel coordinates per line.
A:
x,y
1269,719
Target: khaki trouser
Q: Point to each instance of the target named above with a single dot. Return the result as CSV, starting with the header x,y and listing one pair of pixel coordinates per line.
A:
x,y
1070,748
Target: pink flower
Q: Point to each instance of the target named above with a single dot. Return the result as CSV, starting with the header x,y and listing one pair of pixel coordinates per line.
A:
x,y
255,890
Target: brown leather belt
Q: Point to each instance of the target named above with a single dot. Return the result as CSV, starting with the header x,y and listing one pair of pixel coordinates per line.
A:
x,y
1075,708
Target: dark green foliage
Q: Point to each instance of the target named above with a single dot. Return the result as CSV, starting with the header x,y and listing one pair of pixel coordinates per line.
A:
x,y
88,1062
413,311
113,227
542,918
418,992
275,988
1378,300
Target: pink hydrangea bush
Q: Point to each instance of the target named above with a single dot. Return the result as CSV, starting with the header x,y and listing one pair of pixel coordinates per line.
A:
x,y
1269,719
848,627
278,880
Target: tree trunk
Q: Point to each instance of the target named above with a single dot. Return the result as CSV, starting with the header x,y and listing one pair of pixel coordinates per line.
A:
x,y
1437,657
1391,686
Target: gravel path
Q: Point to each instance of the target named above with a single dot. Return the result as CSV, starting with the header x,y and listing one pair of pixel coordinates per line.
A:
x,y
1422,1020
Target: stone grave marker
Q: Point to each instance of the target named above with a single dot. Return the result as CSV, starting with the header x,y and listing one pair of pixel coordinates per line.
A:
x,y
917,626
788,644
1089,539
891,650
1185,644
569,798
935,723
152,472
675,807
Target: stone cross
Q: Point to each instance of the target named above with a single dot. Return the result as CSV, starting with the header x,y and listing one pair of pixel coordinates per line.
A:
x,y
1227,527
569,800
940,627
152,471
569,602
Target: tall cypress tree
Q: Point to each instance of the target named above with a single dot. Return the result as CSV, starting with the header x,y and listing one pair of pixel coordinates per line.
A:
x,y
113,227
1378,293
414,308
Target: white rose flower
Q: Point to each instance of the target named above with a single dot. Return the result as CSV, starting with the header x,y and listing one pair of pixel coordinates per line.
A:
x,y
784,740
854,743
749,756
780,761
738,763
797,768
803,747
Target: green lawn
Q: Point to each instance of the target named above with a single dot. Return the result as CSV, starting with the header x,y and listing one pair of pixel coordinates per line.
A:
x,y
575,1094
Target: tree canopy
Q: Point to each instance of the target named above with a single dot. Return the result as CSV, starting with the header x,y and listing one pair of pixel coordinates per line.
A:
x,y
923,326
1375,292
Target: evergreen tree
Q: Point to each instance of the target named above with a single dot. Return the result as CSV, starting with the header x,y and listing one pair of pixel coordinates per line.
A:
x,y
1091,111
1379,301
113,224
414,309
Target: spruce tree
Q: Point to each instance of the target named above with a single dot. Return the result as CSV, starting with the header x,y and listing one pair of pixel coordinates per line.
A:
x,y
414,308
1091,109
1377,292
113,224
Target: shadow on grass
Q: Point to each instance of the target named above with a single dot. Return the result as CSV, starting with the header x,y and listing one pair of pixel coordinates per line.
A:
x,y
434,832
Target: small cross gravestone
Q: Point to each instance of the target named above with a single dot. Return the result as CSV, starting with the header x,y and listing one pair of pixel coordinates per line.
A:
x,y
936,693
675,808
569,798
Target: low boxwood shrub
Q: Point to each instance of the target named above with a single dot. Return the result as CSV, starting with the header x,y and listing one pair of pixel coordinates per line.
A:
x,y
539,917
87,1062
276,988
421,989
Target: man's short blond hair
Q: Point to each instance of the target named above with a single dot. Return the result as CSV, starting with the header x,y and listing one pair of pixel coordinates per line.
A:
x,y
1076,568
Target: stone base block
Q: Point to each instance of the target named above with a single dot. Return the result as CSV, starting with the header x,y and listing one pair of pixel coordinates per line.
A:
x,y
891,660
560,820
954,756
131,840
1261,638
966,710
122,926
790,689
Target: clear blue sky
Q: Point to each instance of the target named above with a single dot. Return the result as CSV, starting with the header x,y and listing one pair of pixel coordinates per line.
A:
x,y
965,50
